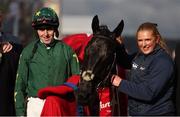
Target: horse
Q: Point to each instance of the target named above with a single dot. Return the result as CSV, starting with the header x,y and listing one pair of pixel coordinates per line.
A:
x,y
98,56
99,63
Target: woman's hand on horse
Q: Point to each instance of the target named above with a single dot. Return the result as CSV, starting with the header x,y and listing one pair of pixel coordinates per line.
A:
x,y
120,40
115,80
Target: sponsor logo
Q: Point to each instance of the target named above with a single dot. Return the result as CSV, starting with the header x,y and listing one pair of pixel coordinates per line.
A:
x,y
135,66
105,105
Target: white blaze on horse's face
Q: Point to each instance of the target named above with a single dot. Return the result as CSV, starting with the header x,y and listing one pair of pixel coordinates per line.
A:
x,y
87,75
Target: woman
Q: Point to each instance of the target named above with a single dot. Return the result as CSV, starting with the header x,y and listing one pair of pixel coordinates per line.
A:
x,y
150,84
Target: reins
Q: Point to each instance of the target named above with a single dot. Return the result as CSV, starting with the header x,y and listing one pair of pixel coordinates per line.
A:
x,y
109,73
115,95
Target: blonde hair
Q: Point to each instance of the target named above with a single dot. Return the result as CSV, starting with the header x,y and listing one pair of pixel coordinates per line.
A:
x,y
153,27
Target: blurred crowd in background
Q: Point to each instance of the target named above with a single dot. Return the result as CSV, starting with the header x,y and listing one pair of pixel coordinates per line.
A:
x,y
17,17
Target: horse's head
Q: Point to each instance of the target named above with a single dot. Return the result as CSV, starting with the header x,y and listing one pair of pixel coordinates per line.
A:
x,y
99,59
100,52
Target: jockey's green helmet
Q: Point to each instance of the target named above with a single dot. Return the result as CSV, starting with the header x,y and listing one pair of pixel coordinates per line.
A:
x,y
45,17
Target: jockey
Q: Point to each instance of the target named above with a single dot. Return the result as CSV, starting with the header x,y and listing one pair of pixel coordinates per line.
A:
x,y
44,62
56,102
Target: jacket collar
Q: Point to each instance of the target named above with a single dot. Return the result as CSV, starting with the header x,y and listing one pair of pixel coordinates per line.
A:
x,y
48,46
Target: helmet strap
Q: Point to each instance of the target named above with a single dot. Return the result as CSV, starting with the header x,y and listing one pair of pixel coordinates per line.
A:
x,y
56,33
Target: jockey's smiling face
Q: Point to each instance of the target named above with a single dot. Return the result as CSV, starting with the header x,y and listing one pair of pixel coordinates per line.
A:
x,y
46,35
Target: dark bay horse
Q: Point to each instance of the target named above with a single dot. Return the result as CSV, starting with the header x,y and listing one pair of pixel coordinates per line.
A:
x,y
98,65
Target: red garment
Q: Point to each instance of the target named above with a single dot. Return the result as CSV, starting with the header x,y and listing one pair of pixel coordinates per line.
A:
x,y
59,90
57,101
105,102
78,42
58,106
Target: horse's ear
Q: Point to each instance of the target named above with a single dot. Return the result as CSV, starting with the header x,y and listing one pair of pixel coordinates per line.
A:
x,y
95,24
118,30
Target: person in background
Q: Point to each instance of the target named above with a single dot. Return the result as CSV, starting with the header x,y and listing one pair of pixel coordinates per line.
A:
x,y
5,36
9,56
177,75
44,62
150,85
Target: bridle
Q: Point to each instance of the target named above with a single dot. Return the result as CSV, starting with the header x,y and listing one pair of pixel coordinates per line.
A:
x,y
89,72
108,75
115,95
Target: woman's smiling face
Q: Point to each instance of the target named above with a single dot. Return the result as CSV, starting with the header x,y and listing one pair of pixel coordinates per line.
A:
x,y
146,41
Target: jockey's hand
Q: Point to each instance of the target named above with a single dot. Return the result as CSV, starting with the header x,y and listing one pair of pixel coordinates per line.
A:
x,y
6,47
116,80
120,40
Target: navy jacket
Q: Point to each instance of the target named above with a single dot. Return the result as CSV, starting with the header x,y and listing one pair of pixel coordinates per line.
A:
x,y
150,85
